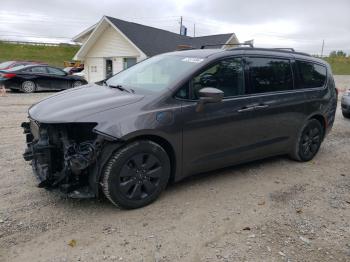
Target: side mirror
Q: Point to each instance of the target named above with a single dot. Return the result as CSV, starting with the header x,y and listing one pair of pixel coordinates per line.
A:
x,y
209,95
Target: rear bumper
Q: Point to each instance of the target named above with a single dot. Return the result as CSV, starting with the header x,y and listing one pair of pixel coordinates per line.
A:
x,y
7,83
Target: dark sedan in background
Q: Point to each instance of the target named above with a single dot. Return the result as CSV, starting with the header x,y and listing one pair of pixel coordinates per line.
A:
x,y
33,78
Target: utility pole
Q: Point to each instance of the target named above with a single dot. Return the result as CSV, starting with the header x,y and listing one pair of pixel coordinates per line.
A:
x,y
322,48
194,30
180,24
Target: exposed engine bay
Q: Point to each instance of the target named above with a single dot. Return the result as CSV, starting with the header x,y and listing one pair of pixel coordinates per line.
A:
x,y
64,156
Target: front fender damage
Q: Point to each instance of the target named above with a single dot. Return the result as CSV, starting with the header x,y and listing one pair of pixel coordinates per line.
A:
x,y
68,157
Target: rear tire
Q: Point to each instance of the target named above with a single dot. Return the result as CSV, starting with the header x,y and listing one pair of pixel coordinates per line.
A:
x,y
309,141
28,86
136,174
346,114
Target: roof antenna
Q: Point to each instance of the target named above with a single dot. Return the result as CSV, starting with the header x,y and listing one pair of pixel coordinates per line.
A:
x,y
180,25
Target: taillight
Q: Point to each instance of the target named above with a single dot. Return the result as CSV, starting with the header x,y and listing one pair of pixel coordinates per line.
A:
x,y
8,75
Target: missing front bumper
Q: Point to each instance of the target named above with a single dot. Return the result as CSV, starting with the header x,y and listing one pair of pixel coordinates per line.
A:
x,y
63,156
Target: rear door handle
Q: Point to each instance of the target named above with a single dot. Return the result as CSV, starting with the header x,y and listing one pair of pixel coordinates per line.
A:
x,y
246,109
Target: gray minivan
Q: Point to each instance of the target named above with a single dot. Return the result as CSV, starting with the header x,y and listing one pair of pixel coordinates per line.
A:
x,y
178,114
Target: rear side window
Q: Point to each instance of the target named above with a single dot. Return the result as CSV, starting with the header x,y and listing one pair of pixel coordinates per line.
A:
x,y
38,69
269,74
311,75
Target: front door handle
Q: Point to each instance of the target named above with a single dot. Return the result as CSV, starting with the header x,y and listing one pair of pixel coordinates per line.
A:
x,y
261,106
246,109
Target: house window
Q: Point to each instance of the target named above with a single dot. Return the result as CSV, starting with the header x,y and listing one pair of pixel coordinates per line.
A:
x,y
128,62
93,69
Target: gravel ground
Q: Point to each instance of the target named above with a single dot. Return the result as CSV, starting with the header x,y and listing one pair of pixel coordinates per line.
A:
x,y
342,82
270,210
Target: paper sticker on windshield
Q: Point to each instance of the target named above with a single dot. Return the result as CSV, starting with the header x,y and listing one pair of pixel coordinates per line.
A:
x,y
193,59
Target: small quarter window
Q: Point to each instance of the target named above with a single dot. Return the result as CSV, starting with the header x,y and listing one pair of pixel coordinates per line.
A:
x,y
270,74
311,75
55,71
183,92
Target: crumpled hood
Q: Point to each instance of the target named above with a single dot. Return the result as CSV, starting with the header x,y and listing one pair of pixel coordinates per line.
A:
x,y
76,103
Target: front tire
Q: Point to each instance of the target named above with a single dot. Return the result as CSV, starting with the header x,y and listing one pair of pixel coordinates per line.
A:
x,y
136,174
309,141
28,86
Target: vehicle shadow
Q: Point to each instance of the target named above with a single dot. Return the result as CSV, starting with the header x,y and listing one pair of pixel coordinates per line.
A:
x,y
202,179
9,91
236,171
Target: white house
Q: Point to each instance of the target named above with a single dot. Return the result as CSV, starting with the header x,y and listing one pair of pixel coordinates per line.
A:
x,y
113,45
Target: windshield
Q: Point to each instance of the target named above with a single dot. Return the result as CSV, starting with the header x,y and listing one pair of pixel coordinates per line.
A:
x,y
154,74
6,64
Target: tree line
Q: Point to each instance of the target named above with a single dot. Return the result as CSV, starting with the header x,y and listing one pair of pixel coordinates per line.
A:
x,y
338,53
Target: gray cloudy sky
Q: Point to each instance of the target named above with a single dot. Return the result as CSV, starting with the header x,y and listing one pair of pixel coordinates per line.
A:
x,y
301,24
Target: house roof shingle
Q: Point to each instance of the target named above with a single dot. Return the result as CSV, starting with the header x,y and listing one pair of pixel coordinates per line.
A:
x,y
153,41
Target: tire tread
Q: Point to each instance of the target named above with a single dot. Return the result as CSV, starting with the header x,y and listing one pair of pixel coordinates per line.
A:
x,y
111,162
295,155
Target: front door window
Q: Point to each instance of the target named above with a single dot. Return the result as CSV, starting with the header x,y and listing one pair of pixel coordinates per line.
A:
x,y
226,75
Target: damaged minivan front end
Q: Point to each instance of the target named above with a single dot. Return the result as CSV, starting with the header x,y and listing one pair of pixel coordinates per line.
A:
x,y
64,156
70,136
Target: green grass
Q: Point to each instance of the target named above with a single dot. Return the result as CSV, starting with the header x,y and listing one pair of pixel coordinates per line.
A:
x,y
55,55
52,55
340,65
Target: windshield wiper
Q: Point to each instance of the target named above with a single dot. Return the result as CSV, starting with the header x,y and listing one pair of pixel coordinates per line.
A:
x,y
120,87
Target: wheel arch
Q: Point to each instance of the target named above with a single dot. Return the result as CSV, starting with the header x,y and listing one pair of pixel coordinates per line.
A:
x,y
320,118
166,145
111,147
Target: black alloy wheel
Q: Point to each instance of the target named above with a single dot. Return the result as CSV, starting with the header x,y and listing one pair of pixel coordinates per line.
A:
x,y
309,141
136,174
140,176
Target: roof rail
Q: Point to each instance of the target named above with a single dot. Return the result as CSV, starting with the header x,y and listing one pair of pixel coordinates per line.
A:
x,y
238,44
284,48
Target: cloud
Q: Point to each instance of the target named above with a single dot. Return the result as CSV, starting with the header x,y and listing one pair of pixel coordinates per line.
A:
x,y
300,24
273,22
